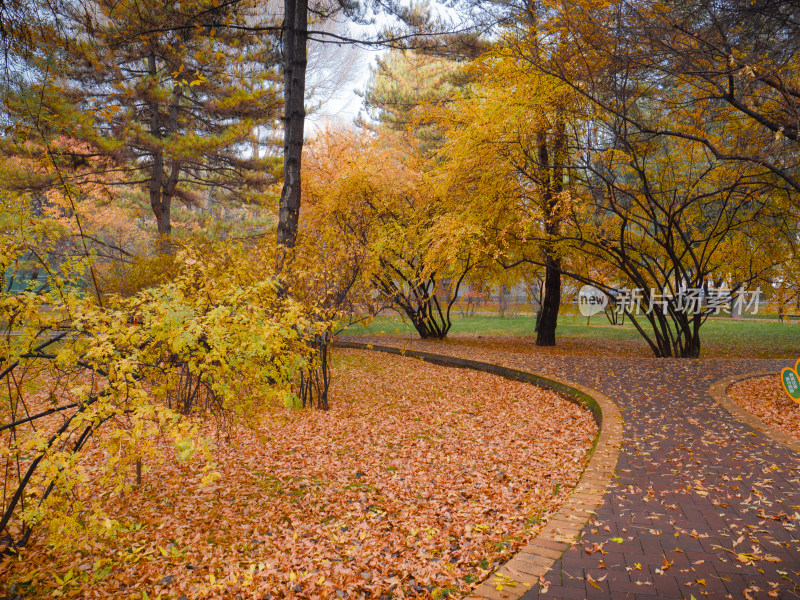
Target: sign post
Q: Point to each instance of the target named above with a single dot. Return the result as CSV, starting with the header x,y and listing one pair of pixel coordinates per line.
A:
x,y
791,381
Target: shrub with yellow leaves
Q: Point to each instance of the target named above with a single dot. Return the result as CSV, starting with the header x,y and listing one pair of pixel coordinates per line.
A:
x,y
221,339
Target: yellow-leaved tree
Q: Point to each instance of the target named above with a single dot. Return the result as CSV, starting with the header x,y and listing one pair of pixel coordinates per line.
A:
x,y
503,169
672,232
372,202
217,339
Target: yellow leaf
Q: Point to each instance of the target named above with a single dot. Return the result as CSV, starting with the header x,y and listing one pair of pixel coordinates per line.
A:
x,y
29,577
593,583
321,580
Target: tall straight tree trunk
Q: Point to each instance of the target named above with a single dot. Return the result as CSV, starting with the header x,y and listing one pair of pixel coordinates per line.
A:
x,y
552,177
294,60
161,201
315,377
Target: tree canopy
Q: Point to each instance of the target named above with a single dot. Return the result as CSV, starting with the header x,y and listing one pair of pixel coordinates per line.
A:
x,y
648,149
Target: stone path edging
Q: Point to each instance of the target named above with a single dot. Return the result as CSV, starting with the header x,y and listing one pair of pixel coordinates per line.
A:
x,y
526,567
719,392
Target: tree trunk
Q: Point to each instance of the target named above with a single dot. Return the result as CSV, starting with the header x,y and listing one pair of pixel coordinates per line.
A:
x,y
168,186
546,334
294,50
159,202
162,209
552,176
690,340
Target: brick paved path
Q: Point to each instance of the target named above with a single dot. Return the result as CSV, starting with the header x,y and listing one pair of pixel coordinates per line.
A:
x,y
701,506
691,482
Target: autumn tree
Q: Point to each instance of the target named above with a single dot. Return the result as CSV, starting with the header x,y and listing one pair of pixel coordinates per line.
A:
x,y
678,227
372,197
216,340
658,84
505,169
605,195
736,64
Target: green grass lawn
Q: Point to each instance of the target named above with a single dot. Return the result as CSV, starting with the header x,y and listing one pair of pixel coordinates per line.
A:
x,y
719,336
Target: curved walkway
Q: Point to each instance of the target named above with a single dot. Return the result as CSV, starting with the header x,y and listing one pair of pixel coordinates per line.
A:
x,y
702,505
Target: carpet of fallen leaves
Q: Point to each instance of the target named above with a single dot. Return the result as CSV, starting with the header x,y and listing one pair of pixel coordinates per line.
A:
x,y
765,398
698,506
417,483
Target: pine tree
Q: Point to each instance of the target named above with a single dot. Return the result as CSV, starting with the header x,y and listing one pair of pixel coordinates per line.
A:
x,y
403,84
158,88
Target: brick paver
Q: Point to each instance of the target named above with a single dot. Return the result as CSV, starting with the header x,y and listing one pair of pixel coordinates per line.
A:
x,y
701,505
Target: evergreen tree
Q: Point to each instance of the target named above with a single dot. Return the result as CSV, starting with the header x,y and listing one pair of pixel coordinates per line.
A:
x,y
405,82
155,86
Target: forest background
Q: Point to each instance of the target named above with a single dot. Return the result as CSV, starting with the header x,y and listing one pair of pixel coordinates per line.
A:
x,y
176,249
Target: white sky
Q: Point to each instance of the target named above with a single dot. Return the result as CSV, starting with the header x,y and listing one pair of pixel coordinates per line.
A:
x,y
344,105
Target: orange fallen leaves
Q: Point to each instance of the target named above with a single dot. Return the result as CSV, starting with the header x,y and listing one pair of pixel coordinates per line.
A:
x,y
417,482
765,398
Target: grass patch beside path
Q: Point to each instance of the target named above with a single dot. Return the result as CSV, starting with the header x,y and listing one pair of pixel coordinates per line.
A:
x,y
720,337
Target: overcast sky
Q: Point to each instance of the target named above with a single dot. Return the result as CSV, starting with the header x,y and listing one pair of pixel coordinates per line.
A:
x,y
348,66
345,105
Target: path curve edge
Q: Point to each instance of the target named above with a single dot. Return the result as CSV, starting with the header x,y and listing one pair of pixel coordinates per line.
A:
x,y
719,392
526,568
